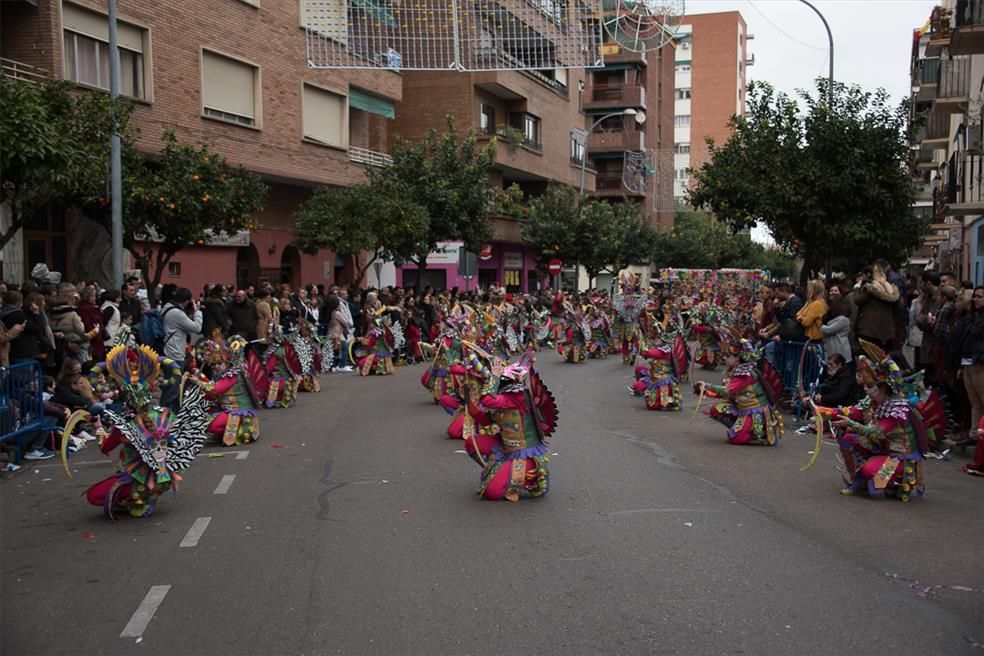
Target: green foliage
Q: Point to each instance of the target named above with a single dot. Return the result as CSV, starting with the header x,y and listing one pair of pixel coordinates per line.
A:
x,y
699,241
445,180
183,197
549,230
350,220
598,235
54,145
826,183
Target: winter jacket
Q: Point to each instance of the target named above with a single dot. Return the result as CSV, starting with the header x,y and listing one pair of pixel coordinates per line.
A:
x,y
810,316
178,330
969,335
837,389
876,309
214,318
836,337
243,318
111,320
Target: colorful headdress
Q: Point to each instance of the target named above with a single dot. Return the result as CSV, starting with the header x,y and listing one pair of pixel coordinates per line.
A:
x,y
877,367
734,344
133,368
628,282
211,352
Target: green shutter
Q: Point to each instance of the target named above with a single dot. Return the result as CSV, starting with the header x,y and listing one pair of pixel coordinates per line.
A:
x,y
369,103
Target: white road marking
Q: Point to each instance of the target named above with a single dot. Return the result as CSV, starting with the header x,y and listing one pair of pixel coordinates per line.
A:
x,y
194,533
225,484
145,612
240,455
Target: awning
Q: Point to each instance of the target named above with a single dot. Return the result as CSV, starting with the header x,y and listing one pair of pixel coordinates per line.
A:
x,y
613,67
370,103
610,155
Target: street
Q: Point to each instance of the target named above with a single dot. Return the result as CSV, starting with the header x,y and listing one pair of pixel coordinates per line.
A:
x,y
352,527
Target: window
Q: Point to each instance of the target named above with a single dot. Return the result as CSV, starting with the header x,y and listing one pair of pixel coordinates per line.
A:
x,y
486,119
531,130
682,175
683,94
229,89
578,138
86,50
685,43
681,121
174,269
324,116
683,68
682,147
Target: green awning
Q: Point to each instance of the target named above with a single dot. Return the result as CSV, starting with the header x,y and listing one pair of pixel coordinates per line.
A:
x,y
611,155
370,103
612,67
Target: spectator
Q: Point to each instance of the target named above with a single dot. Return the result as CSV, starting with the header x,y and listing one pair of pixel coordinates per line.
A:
x,y
901,309
267,310
810,316
12,323
112,318
74,391
181,319
130,305
926,320
764,313
215,321
836,332
969,334
353,311
92,323
288,315
243,317
339,327
33,343
876,299
838,385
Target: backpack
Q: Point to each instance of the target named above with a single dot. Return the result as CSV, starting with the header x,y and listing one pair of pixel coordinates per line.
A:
x,y
152,329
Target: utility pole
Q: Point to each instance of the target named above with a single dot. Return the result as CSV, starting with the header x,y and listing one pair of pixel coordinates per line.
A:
x,y
115,165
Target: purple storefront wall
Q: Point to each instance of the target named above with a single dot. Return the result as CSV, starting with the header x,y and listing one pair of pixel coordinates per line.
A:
x,y
491,270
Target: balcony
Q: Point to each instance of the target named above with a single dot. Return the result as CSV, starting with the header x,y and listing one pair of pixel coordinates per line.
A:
x,y
610,185
940,22
965,185
16,70
369,157
608,97
936,133
968,35
614,54
953,90
607,141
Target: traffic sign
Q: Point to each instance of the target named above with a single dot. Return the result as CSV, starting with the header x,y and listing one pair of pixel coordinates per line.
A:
x,y
554,267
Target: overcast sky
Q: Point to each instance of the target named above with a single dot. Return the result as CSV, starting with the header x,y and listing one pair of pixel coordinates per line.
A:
x,y
872,40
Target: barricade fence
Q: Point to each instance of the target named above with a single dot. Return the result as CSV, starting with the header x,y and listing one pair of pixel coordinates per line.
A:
x,y
21,401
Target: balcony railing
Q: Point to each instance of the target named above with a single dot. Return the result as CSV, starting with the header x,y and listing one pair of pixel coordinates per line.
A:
x,y
954,79
608,181
369,157
970,12
24,72
967,196
615,139
613,92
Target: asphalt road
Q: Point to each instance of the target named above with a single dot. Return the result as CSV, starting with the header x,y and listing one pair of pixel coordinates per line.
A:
x,y
352,528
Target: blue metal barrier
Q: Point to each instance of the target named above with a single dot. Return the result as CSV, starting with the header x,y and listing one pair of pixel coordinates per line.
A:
x,y
788,356
21,402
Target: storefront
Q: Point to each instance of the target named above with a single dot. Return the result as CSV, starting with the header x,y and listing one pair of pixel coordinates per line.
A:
x,y
506,264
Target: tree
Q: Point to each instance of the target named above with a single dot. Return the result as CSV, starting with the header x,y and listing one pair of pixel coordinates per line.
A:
x,y
183,197
830,182
699,241
54,146
444,180
357,219
548,228
631,238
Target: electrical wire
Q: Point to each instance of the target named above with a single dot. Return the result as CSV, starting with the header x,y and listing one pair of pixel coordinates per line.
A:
x,y
784,32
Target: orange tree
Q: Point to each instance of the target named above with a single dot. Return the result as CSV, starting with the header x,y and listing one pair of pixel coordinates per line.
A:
x,y
828,182
183,197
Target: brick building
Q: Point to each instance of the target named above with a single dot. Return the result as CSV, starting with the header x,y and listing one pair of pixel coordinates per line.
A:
x,y
711,73
541,118
232,73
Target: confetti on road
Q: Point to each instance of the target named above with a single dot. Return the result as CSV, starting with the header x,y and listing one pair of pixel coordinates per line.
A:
x,y
89,536
277,445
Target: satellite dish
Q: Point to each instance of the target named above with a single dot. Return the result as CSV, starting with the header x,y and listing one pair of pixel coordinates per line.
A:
x,y
644,25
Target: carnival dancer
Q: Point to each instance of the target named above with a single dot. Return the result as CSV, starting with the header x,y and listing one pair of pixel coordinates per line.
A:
x,y
273,366
154,444
882,443
374,352
601,338
309,357
628,305
469,419
232,406
558,316
577,332
525,414
659,382
705,325
457,326
752,392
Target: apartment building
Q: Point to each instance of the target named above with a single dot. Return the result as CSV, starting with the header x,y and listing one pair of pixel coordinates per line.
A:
x,y
712,60
947,67
232,73
541,119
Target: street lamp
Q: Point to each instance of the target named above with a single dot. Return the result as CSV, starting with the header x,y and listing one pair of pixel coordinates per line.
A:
x,y
640,118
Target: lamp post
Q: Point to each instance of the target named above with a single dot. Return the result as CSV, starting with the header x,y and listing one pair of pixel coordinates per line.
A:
x,y
115,175
640,118
828,268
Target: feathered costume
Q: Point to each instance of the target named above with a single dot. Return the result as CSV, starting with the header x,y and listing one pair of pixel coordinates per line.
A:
x,y
628,306
576,335
374,352
752,391
232,406
154,444
659,382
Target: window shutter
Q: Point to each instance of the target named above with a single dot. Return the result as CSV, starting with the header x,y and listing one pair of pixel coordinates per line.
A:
x,y
324,116
228,85
96,26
